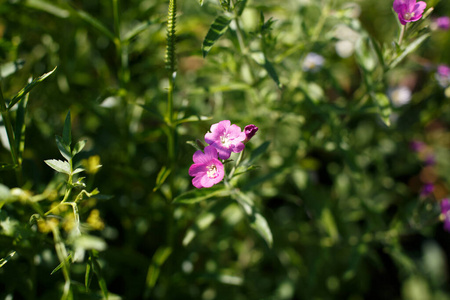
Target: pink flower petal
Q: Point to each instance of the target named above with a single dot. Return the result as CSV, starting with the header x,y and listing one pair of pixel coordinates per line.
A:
x,y
197,182
210,153
199,157
197,169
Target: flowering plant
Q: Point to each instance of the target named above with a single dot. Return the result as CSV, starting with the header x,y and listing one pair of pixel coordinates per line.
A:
x,y
409,10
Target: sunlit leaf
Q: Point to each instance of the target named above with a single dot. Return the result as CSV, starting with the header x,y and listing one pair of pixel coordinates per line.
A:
x,y
59,166
63,148
48,8
78,147
3,261
217,29
409,49
28,88
58,267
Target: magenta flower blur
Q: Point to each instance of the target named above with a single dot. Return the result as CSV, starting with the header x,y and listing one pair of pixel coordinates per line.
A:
x,y
443,75
250,131
416,146
443,23
445,211
409,10
207,170
427,189
226,138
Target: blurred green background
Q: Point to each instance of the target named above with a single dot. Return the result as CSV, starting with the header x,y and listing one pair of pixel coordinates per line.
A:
x,y
341,190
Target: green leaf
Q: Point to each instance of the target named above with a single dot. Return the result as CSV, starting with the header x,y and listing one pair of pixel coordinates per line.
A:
x,y
411,48
78,147
257,221
63,148
256,153
20,127
200,2
193,119
59,166
3,261
136,30
161,178
67,135
58,267
217,29
77,170
48,8
160,256
90,242
261,60
384,107
198,195
88,275
365,54
12,67
95,23
98,272
28,88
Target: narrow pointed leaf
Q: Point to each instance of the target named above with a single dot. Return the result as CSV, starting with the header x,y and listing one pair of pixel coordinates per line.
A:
x,y
261,59
3,261
198,195
257,221
95,23
20,127
138,29
217,29
48,8
63,148
88,275
58,267
98,272
28,88
193,119
59,165
161,178
158,260
411,48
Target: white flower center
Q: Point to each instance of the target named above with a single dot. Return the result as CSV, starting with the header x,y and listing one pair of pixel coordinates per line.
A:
x,y
225,140
408,15
212,171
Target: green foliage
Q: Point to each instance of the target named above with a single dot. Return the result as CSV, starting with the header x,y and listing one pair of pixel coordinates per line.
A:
x,y
326,201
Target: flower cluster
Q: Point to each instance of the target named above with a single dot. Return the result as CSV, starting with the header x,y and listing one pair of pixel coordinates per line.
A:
x,y
223,139
409,10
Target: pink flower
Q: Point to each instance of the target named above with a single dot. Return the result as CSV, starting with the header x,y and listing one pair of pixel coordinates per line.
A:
x,y
226,138
250,131
445,211
443,23
207,170
409,10
443,75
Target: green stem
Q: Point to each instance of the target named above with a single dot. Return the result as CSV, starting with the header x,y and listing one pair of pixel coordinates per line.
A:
x,y
238,161
11,138
402,33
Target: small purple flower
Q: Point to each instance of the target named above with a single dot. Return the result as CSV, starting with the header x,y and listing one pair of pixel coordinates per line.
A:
x,y
226,138
207,170
430,160
409,10
427,189
250,131
443,75
443,23
445,211
416,146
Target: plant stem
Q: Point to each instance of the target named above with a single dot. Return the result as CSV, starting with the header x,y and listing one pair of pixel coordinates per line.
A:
x,y
11,138
402,33
238,161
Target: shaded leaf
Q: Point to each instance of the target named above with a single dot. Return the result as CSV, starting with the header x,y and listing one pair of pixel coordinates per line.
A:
x,y
136,30
198,195
193,119
98,272
28,88
256,153
78,147
261,60
217,29
59,166
160,256
7,167
95,23
161,178
257,221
